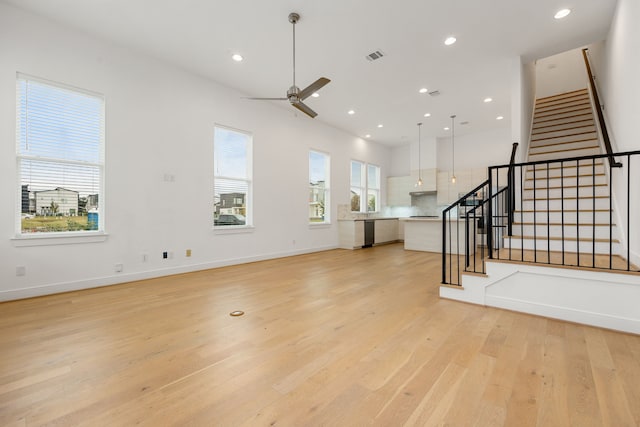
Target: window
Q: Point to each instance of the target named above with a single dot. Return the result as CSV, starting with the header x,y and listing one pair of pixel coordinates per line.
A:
x,y
373,188
365,180
60,157
232,178
358,186
319,172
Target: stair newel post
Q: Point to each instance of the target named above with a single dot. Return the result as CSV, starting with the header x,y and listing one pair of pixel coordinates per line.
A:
x,y
489,224
512,190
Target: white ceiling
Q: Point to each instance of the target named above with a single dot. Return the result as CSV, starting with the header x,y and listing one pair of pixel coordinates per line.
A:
x,y
334,36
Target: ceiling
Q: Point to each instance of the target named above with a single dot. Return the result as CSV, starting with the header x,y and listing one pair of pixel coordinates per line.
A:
x,y
333,38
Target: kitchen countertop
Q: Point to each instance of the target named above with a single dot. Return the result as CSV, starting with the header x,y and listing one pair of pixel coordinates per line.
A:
x,y
438,219
368,219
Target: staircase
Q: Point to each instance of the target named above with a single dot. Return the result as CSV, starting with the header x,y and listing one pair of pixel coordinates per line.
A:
x,y
564,207
551,215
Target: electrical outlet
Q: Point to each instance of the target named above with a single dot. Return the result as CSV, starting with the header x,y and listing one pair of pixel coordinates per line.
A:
x,y
145,257
188,252
165,255
21,270
119,268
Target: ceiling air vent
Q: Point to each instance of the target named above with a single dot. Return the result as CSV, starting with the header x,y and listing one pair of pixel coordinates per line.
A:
x,y
375,55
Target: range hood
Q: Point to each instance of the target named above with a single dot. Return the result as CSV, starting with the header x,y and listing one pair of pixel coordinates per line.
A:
x,y
422,193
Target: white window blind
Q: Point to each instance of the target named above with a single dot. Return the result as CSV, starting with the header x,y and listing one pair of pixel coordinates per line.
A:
x,y
232,177
319,174
60,154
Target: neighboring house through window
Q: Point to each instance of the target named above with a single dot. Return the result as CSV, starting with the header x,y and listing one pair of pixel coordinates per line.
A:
x,y
232,178
319,176
365,187
60,156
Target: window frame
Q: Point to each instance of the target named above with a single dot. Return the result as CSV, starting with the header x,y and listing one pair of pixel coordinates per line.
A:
x,y
327,188
248,179
42,238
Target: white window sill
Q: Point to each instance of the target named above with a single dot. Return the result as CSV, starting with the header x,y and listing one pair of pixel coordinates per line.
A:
x,y
51,239
313,225
231,229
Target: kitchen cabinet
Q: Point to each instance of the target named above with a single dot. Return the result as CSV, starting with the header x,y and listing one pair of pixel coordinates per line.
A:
x,y
352,232
386,231
466,180
399,187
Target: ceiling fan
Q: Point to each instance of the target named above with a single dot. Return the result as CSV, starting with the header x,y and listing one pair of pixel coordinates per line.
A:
x,y
294,95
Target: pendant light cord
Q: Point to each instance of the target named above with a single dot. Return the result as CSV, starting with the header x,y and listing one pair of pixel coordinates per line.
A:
x,y
453,151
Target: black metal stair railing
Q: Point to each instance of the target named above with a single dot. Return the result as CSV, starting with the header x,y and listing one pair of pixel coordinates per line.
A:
x,y
573,212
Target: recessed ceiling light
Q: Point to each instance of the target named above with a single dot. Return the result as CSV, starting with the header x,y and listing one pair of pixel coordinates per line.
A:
x,y
499,118
562,13
237,57
450,40
380,125
446,128
351,112
427,114
367,136
488,99
315,94
423,90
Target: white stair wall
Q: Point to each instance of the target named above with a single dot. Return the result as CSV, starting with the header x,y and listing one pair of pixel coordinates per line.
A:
x,y
597,298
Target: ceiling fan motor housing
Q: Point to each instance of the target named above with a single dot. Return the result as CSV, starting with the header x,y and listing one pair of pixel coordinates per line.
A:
x,y
293,94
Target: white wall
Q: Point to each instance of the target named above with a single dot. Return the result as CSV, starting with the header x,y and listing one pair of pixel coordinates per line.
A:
x,y
523,94
564,72
477,150
618,68
400,161
160,120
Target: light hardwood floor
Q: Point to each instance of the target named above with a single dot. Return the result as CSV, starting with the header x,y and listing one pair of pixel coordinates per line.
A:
x,y
339,338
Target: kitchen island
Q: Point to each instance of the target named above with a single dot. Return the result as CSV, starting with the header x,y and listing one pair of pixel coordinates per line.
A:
x,y
425,234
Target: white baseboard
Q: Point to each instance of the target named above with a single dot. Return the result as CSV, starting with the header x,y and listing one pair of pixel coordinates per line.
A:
x,y
96,282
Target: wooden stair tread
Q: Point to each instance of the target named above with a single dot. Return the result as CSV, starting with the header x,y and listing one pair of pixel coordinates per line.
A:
x,y
562,176
565,150
555,258
572,224
567,198
561,95
598,162
557,187
586,113
564,142
562,136
589,121
565,210
562,101
571,239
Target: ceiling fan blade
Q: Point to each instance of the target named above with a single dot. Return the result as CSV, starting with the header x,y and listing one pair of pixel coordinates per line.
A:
x,y
313,87
302,107
267,99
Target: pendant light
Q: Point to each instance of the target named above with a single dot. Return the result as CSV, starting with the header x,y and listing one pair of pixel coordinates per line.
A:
x,y
453,153
419,183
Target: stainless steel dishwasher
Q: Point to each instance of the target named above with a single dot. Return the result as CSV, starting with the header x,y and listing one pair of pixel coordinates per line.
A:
x,y
369,232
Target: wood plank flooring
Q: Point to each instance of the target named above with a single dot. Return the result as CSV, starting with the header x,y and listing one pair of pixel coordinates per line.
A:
x,y
338,338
